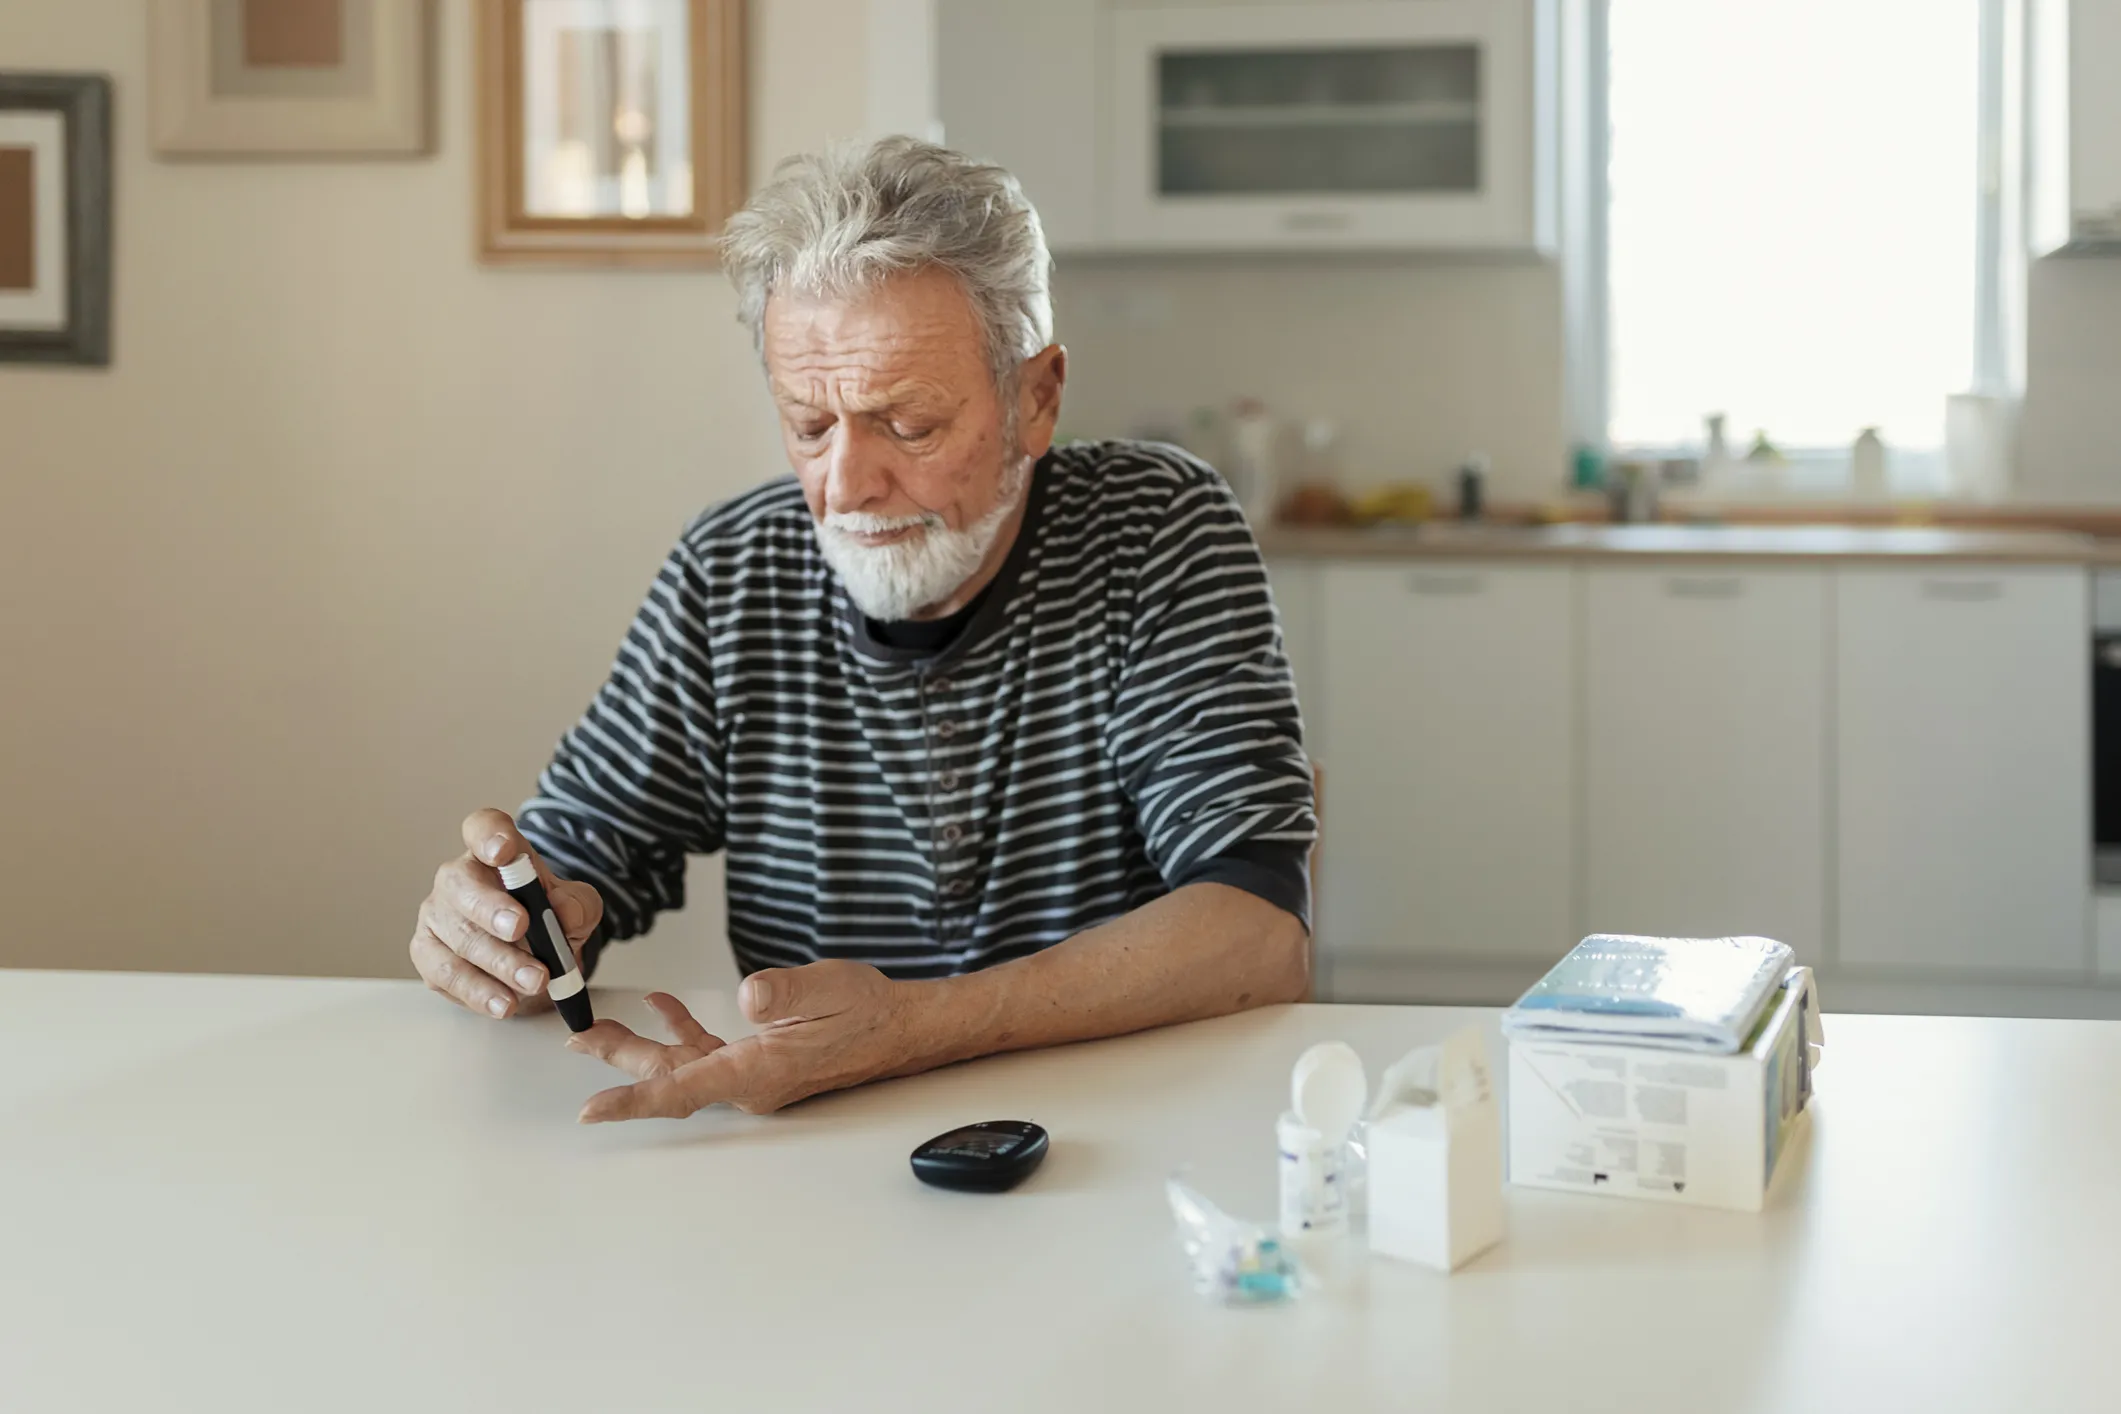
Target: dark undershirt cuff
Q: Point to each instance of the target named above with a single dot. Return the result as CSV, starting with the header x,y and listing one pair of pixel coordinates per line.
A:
x,y
1273,870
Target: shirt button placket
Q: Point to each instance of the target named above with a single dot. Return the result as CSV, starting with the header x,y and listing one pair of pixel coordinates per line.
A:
x,y
953,884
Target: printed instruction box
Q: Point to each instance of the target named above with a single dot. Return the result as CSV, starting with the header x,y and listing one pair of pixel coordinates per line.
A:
x,y
1673,1126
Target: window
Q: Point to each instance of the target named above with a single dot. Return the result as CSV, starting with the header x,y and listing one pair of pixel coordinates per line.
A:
x,y
1800,227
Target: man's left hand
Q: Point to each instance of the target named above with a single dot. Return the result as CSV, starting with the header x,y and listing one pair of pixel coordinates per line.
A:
x,y
821,1027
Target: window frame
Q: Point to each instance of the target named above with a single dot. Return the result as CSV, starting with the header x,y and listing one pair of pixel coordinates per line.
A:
x,y
1997,183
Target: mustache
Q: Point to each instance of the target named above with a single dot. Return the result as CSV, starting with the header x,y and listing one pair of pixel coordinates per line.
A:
x,y
862,523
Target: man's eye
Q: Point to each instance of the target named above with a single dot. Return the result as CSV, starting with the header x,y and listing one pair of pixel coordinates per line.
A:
x,y
907,433
810,432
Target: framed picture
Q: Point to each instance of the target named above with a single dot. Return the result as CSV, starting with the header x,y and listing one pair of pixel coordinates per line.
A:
x,y
611,131
291,78
55,218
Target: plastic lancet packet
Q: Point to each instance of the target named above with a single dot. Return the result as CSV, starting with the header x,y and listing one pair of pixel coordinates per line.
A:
x,y
1235,1262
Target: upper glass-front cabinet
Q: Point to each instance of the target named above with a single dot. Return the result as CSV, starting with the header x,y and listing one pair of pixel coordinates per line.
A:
x,y
1400,124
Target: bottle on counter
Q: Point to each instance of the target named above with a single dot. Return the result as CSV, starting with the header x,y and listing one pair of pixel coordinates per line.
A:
x,y
1978,431
1250,468
1867,480
1631,493
1472,487
1716,462
1321,453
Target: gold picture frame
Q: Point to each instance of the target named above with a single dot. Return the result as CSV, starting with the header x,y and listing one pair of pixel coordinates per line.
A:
x,y
611,132
292,78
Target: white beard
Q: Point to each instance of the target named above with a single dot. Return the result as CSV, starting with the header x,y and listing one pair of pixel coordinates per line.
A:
x,y
894,582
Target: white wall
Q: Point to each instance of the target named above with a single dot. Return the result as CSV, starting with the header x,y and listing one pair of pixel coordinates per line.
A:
x,y
349,531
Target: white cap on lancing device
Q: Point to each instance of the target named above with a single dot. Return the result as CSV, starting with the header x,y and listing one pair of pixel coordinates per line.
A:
x,y
548,942
519,871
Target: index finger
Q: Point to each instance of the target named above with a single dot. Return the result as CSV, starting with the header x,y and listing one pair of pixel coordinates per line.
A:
x,y
712,1079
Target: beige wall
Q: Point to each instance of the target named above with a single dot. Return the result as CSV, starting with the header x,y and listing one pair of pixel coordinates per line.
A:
x,y
348,532
1418,363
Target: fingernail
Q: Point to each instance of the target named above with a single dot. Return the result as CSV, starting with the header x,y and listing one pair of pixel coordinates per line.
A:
x,y
761,995
504,921
498,1006
530,979
491,850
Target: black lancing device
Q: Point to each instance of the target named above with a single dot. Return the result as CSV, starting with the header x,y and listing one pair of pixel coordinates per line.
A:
x,y
989,1157
547,942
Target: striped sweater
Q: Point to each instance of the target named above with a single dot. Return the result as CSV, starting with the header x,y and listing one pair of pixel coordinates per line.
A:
x,y
1116,720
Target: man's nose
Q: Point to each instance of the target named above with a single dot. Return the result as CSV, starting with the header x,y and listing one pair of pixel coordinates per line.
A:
x,y
857,471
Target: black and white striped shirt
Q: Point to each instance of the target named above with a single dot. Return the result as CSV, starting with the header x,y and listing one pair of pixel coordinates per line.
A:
x,y
1116,720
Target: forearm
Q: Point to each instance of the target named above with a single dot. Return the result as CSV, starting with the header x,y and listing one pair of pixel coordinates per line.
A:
x,y
1203,950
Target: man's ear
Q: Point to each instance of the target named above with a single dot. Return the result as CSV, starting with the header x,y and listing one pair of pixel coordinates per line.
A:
x,y
1038,399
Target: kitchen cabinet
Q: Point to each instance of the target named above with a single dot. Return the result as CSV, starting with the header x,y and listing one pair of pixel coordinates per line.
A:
x,y
1962,764
1017,83
2106,927
1448,721
2074,127
1705,739
2095,120
1393,124
1349,124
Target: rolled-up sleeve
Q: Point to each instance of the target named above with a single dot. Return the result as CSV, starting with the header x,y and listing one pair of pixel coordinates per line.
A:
x,y
1206,731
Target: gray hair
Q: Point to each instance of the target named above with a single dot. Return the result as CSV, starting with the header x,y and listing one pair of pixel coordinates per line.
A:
x,y
837,222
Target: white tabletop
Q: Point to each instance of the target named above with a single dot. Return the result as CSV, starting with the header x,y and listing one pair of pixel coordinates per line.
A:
x,y
270,1194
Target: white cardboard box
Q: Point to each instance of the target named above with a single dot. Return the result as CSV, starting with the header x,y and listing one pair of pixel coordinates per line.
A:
x,y
1434,1146
1673,1126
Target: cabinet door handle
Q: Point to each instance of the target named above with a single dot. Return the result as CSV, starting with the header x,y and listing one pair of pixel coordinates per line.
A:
x,y
1694,586
1316,221
1441,586
1962,591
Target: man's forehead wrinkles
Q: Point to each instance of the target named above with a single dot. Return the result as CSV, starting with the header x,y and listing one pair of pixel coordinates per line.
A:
x,y
820,390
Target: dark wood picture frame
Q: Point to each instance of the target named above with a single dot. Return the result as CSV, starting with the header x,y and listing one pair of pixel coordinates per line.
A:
x,y
509,234
83,103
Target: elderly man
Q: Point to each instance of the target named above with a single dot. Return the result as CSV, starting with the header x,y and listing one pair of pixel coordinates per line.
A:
x,y
998,737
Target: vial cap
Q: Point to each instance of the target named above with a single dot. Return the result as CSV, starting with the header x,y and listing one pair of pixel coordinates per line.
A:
x,y
1328,1089
519,871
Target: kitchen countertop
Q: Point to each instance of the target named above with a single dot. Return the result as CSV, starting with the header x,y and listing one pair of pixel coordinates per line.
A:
x,y
1806,544
242,1194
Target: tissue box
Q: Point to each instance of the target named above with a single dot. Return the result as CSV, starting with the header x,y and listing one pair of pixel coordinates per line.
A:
x,y
1435,1158
1673,1126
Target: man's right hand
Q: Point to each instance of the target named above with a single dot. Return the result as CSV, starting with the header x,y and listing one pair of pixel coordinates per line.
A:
x,y
467,945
